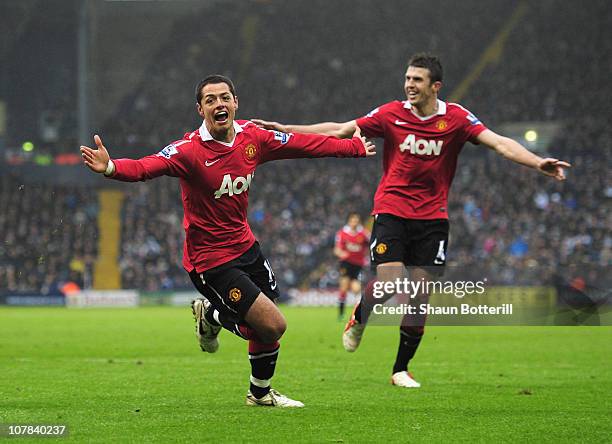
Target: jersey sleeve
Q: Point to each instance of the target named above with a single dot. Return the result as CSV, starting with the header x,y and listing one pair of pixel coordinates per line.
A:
x,y
173,161
276,145
339,243
372,124
471,125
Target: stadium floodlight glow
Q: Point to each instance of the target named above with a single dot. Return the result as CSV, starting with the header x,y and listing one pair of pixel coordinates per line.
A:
x,y
27,146
531,135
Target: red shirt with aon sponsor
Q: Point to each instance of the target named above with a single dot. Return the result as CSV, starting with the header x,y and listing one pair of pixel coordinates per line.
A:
x,y
420,156
215,178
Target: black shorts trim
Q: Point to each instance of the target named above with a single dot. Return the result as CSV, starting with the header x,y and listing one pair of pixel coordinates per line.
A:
x,y
352,271
414,242
233,287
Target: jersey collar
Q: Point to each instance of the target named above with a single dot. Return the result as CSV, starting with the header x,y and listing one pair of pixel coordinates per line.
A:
x,y
206,136
347,229
441,109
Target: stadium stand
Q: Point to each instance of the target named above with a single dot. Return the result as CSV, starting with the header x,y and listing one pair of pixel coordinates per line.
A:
x,y
503,215
46,234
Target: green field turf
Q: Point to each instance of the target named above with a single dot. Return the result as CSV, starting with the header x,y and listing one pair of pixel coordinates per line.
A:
x,y
137,375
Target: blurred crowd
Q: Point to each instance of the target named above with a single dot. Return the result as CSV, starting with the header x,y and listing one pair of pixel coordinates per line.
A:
x,y
152,236
49,237
319,60
295,61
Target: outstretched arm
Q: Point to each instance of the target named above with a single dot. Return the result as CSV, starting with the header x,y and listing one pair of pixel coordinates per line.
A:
x,y
516,152
278,145
341,130
170,161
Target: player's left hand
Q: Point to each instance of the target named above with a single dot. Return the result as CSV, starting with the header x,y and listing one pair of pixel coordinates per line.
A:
x,y
553,168
370,148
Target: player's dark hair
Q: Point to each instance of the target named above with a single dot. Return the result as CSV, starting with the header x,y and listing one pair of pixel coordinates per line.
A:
x,y
430,62
353,213
215,78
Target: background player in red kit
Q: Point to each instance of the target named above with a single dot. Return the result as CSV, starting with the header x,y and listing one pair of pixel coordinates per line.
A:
x,y
422,140
351,248
215,165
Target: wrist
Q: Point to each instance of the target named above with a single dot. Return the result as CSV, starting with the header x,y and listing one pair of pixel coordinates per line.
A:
x,y
361,148
538,163
110,168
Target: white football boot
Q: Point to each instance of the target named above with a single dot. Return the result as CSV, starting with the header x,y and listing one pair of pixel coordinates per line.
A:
x,y
272,399
353,332
404,379
205,331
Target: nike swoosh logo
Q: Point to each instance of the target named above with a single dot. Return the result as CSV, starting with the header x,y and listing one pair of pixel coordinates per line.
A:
x,y
399,122
207,163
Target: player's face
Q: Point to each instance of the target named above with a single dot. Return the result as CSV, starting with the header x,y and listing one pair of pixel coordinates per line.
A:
x,y
419,88
354,221
218,107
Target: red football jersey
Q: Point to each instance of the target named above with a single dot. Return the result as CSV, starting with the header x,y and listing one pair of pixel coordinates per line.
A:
x,y
215,178
355,243
420,156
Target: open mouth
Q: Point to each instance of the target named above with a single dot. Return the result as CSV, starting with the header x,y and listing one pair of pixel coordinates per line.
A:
x,y
221,117
412,95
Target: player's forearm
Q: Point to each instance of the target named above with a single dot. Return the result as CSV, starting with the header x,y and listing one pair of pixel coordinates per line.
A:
x,y
135,170
327,128
516,152
302,146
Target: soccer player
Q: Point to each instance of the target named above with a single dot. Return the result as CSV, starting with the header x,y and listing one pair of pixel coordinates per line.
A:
x,y
215,165
351,248
423,137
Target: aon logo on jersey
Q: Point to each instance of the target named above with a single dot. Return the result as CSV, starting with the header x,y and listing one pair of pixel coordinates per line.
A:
x,y
236,186
421,146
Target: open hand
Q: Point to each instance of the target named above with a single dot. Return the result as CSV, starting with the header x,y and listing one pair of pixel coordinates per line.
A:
x,y
553,168
95,159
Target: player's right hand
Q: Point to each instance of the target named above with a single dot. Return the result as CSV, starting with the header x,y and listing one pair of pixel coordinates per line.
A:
x,y
95,159
265,124
370,148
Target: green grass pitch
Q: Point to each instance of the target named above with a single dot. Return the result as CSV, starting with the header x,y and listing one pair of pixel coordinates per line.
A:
x,y
137,375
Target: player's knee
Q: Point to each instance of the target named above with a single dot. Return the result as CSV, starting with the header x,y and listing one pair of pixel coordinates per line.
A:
x,y
279,328
273,331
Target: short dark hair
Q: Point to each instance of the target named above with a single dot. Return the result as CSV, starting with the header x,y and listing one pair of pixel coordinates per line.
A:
x,y
215,78
353,213
430,62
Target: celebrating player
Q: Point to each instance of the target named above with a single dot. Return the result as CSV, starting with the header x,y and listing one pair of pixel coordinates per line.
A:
x,y
351,248
422,140
215,165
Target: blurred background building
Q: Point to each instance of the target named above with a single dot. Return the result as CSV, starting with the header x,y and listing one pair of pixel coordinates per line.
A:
x,y
536,71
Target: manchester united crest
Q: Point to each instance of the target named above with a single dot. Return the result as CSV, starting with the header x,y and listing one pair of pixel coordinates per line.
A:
x,y
442,125
381,248
235,294
250,151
